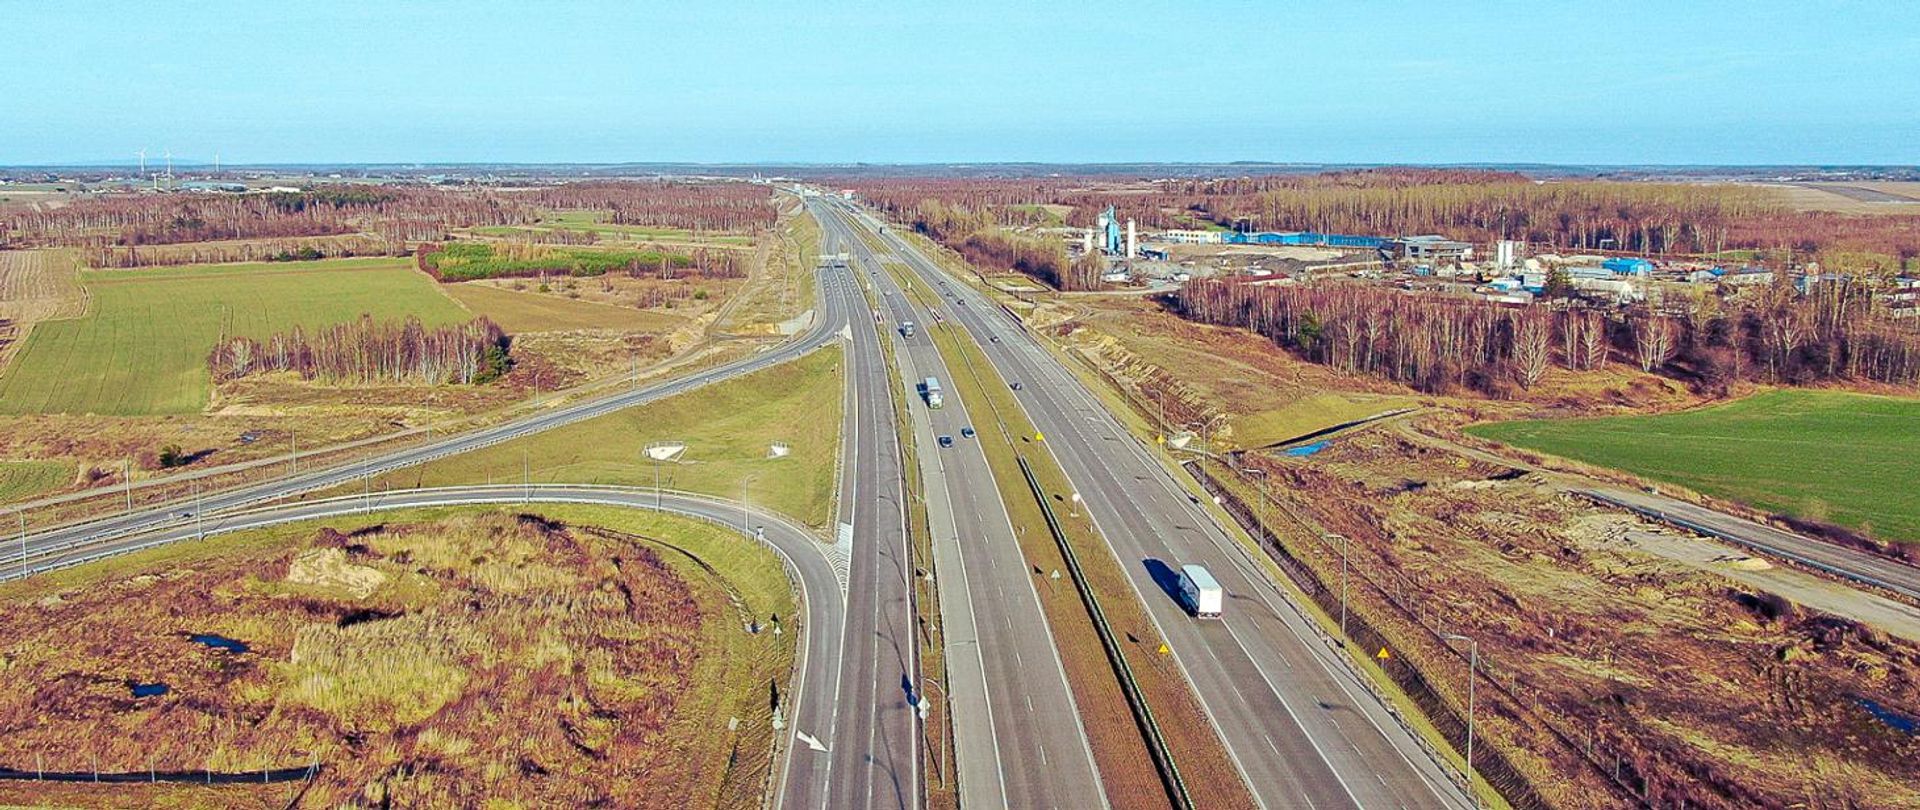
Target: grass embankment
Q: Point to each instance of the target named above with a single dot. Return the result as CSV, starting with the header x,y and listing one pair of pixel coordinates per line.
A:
x,y
427,658
519,312
1820,455
728,429
142,347
20,480
783,278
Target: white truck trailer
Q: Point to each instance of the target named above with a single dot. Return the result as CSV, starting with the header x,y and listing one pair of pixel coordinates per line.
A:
x,y
931,388
1199,592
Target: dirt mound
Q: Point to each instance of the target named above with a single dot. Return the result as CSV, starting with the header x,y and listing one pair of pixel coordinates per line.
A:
x,y
328,568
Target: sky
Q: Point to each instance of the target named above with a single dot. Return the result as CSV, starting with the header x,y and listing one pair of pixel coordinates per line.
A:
x,y
1364,81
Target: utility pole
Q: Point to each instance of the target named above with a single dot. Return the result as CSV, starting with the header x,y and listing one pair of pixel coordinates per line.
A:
x,y
199,521
1343,583
526,477
127,479
1473,667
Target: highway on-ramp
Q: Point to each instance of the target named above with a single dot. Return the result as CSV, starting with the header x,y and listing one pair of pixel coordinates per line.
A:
x,y
1300,727
808,703
829,319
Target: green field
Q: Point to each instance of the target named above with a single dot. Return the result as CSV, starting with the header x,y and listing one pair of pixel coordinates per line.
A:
x,y
20,480
594,222
1845,458
141,348
727,428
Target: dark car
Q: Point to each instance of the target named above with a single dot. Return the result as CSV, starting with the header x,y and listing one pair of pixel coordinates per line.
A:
x,y
1016,386
946,441
966,433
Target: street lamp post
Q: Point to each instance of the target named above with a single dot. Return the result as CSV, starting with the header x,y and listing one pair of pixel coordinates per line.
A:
x,y
22,515
1473,668
746,491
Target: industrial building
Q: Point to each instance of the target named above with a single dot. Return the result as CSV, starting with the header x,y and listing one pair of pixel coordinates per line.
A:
x,y
1432,248
1303,238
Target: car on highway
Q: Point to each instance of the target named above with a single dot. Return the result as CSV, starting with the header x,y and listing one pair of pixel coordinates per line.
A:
x,y
946,441
1016,386
966,432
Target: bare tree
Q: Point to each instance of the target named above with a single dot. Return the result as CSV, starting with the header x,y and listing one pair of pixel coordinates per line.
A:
x,y
1653,341
1532,347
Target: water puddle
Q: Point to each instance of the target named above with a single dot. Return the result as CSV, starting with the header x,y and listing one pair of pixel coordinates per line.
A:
x,y
219,642
148,689
1894,720
1306,449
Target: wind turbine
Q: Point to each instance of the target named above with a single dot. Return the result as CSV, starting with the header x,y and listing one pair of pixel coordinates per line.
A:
x,y
169,169
143,161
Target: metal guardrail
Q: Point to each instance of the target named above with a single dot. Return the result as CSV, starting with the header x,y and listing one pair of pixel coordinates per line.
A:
x,y
1142,713
264,776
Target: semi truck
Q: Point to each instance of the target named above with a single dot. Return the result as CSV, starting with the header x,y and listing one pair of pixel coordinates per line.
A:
x,y
1200,594
931,388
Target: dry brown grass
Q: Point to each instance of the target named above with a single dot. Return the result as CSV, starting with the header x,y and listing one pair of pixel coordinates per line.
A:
x,y
454,660
1707,692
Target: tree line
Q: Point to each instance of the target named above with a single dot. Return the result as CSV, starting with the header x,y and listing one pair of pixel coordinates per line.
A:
x,y
1438,344
667,203
366,351
397,213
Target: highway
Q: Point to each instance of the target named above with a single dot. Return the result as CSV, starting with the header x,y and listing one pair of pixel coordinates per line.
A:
x,y
874,761
1019,739
1300,727
808,707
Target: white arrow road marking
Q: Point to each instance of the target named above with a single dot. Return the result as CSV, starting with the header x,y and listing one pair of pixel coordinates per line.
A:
x,y
810,741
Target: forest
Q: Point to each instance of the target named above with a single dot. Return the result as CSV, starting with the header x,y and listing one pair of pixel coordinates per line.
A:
x,y
366,351
1439,345
112,226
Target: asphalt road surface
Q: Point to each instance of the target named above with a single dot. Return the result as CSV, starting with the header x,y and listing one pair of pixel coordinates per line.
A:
x,y
1019,739
809,702
874,761
1298,725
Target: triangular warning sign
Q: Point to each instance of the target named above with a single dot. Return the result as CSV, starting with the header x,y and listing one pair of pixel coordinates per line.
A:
x,y
1164,650
1039,437
1382,654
